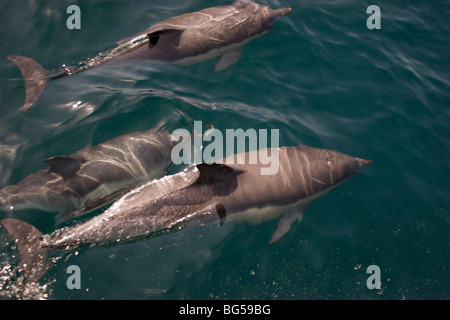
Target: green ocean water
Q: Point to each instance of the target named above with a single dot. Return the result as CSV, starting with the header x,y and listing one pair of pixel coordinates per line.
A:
x,y
321,77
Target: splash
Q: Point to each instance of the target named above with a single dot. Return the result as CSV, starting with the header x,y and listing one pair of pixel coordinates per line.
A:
x,y
13,285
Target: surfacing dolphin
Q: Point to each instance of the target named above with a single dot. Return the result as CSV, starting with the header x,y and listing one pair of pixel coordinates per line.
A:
x,y
93,176
186,39
206,193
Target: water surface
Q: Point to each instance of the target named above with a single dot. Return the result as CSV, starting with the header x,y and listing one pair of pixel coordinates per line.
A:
x,y
321,77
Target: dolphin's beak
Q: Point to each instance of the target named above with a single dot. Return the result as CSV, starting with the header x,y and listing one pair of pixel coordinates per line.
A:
x,y
363,162
284,11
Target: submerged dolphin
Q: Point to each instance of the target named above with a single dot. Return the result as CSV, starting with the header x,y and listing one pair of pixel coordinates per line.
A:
x,y
186,39
92,176
205,193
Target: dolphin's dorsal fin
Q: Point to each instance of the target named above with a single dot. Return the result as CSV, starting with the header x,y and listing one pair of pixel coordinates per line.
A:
x,y
212,173
154,32
170,34
67,167
152,39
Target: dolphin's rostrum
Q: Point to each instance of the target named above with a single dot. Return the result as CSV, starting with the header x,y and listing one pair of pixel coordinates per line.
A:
x,y
205,193
186,39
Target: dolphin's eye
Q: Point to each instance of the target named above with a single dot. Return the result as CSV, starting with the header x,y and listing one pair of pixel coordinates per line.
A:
x,y
331,159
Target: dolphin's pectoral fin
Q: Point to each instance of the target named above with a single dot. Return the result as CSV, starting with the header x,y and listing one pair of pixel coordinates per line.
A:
x,y
221,211
67,167
227,59
285,222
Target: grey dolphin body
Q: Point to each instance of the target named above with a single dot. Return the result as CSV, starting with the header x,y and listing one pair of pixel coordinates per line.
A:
x,y
186,39
92,176
206,193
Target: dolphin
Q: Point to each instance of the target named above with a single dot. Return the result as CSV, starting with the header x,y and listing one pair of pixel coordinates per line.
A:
x,y
186,39
205,193
92,176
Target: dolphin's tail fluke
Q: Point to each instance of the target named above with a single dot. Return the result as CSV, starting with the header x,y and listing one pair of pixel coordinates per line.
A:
x,y
36,78
34,262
